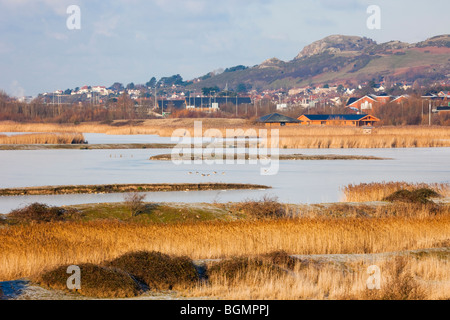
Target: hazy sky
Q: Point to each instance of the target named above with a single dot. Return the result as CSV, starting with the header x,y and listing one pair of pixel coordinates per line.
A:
x,y
133,40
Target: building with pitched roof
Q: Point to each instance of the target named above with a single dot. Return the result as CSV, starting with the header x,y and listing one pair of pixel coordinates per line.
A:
x,y
354,120
276,119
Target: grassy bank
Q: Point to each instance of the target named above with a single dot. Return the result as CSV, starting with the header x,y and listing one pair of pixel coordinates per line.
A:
x,y
115,146
125,188
169,157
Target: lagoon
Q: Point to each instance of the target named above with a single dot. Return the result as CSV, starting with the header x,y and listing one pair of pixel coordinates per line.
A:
x,y
314,181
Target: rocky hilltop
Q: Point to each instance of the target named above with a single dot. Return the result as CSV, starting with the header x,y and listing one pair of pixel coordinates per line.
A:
x,y
336,44
340,59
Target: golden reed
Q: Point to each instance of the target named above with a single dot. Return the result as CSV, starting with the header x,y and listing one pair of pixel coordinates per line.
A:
x,y
377,191
27,250
290,137
43,138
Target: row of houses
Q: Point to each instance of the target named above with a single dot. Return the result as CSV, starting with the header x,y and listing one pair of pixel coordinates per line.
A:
x,y
368,102
353,120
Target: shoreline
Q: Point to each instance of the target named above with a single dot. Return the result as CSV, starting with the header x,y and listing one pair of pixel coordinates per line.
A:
x,y
125,188
283,157
112,146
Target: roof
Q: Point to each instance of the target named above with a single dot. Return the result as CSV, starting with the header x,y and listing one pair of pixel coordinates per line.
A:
x,y
277,118
327,117
402,96
354,100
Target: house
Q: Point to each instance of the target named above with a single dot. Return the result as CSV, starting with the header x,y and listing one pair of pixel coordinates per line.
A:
x,y
442,109
101,90
354,120
401,99
364,103
369,101
84,90
444,94
382,98
279,120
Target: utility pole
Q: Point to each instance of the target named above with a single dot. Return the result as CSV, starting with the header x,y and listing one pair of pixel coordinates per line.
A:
x,y
402,109
422,110
226,94
429,116
156,99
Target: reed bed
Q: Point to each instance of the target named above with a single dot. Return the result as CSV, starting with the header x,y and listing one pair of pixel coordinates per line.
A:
x,y
298,137
404,278
43,138
26,250
344,138
378,191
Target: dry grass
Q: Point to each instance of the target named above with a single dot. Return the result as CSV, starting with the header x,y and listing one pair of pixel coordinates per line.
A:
x,y
345,210
290,137
402,278
161,127
44,138
378,191
26,250
385,137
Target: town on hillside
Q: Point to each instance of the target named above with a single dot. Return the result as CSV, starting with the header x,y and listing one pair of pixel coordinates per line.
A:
x,y
339,101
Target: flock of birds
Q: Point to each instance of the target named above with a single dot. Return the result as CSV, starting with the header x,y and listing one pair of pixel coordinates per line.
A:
x,y
190,173
205,174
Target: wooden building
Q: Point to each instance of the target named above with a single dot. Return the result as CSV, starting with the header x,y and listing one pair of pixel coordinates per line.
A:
x,y
278,120
354,120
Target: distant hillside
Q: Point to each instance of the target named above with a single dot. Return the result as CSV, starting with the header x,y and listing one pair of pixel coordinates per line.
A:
x,y
340,59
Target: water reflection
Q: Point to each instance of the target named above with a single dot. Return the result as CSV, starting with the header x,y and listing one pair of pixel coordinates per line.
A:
x,y
297,181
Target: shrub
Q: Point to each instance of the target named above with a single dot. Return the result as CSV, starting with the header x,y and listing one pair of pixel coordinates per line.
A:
x,y
281,258
268,207
96,281
158,271
135,203
415,196
41,213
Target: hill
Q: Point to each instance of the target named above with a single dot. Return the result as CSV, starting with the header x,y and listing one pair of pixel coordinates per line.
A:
x,y
341,59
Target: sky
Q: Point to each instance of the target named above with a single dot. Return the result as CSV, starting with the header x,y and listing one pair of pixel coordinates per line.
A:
x,y
134,40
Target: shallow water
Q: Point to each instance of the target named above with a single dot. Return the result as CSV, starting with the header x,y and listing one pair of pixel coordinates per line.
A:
x,y
313,181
